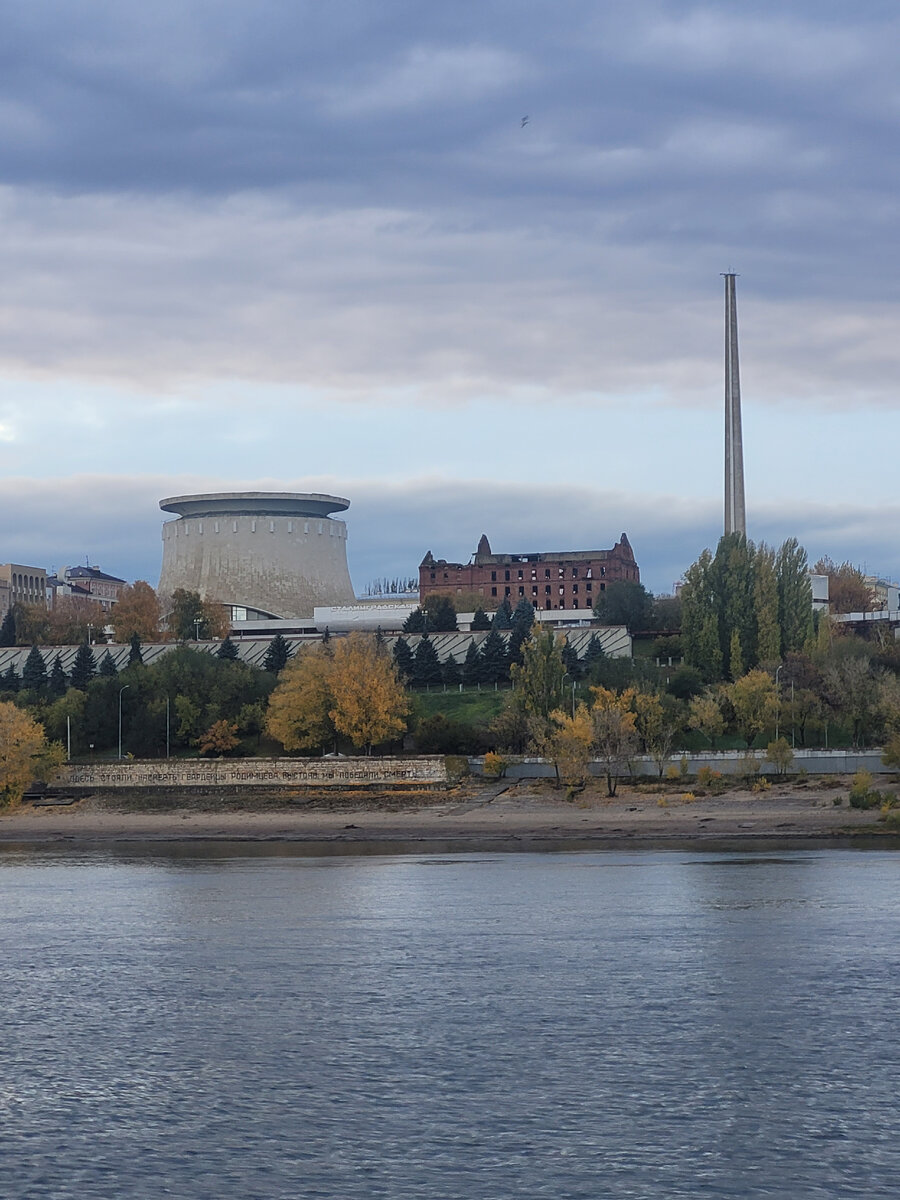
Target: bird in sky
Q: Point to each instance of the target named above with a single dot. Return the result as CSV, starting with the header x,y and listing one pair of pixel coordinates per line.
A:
x,y
525,121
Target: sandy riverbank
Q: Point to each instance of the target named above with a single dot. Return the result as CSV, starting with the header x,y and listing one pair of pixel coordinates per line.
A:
x,y
521,816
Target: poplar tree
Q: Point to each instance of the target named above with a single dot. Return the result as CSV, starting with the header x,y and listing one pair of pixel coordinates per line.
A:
x,y
795,615
765,602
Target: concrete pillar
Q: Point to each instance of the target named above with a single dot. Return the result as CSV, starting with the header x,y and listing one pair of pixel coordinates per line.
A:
x,y
735,512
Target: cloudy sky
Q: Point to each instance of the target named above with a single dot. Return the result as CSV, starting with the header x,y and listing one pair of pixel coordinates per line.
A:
x,y
314,247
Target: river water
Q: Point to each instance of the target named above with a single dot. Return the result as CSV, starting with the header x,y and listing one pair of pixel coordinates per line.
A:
x,y
253,1023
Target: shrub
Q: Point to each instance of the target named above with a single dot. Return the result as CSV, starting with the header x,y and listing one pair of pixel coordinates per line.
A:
x,y
688,797
862,794
760,785
711,779
672,772
748,766
495,765
683,766
891,819
780,754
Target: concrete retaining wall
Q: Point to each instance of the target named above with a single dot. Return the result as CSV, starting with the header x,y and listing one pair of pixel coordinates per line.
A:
x,y
254,772
728,762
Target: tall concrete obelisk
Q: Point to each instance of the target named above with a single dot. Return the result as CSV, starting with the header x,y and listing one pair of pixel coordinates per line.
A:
x,y
735,513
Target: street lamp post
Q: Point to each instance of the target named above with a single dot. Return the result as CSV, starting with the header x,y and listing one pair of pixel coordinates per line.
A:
x,y
121,690
198,621
167,726
778,671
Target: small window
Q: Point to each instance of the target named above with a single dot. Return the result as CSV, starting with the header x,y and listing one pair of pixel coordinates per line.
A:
x,y
521,591
603,570
602,587
574,572
493,591
534,590
588,587
520,575
574,589
506,591
574,603
589,573
432,576
506,577
546,572
561,572
547,590
493,576
446,576
533,573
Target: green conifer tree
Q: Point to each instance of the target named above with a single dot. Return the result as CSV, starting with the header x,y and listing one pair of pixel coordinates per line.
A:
x,y
107,666
34,673
593,654
481,622
502,618
415,622
8,629
58,681
403,659
494,660
83,668
9,680
227,650
440,612
427,666
277,654
471,668
571,661
451,672
135,654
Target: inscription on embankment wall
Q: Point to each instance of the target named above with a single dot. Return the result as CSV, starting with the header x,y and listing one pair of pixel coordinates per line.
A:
x,y
273,772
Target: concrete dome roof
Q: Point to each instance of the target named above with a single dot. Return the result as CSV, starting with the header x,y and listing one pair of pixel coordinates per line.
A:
x,y
287,504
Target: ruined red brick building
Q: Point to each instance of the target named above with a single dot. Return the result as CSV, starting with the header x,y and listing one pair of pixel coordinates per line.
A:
x,y
558,579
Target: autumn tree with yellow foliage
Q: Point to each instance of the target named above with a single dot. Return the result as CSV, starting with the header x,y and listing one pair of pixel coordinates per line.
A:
x,y
299,713
24,753
350,689
615,734
370,704
570,745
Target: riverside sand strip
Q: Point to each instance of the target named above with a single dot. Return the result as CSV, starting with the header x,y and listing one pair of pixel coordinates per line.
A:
x,y
521,816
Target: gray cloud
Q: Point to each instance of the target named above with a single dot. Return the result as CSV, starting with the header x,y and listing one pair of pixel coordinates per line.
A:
x,y
115,521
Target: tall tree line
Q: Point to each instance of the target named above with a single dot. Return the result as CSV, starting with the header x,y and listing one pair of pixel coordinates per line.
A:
x,y
745,605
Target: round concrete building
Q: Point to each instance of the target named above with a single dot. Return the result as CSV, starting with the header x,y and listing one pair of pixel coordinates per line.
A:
x,y
261,554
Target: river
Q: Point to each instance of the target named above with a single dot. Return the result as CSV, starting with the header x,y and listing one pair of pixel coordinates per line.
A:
x,y
226,1022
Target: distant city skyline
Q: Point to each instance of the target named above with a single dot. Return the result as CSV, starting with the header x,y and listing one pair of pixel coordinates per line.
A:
x,y
314,249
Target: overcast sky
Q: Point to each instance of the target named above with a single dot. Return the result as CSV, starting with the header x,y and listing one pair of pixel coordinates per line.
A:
x,y
314,247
